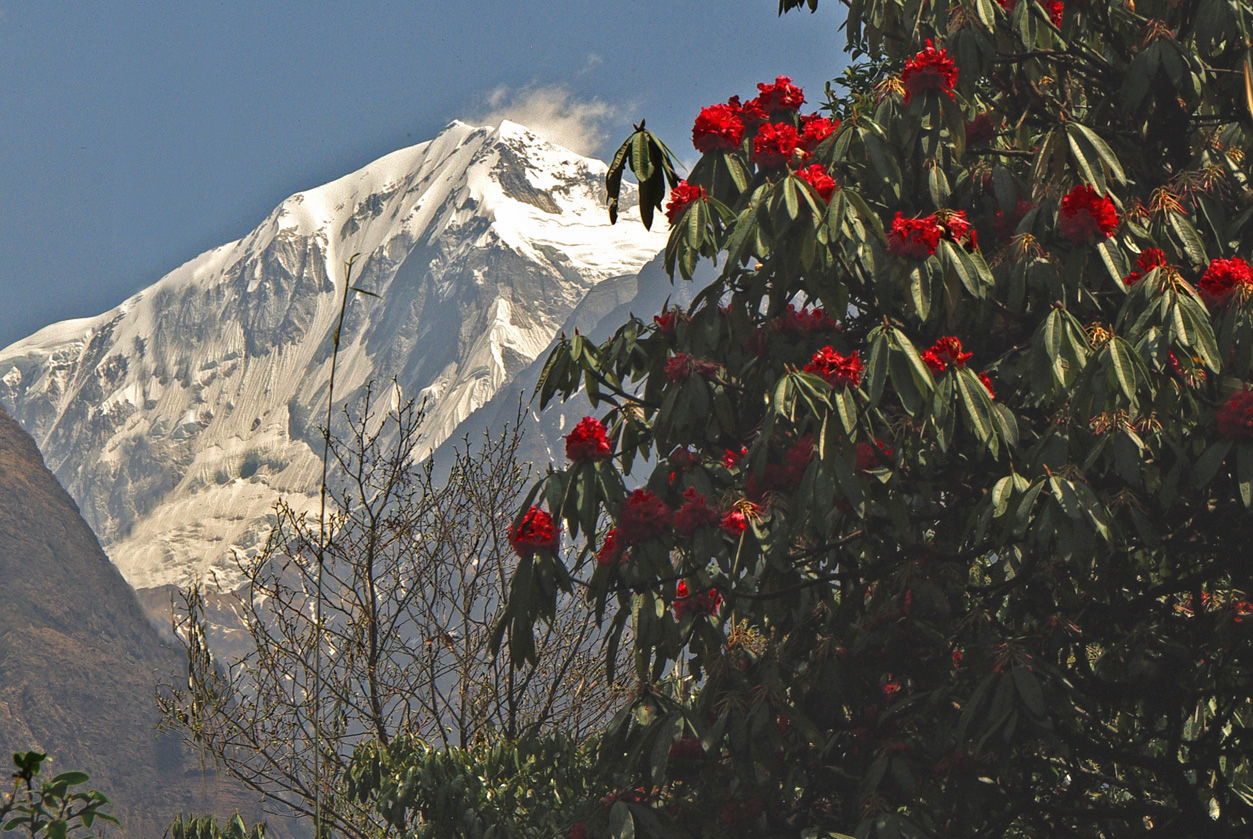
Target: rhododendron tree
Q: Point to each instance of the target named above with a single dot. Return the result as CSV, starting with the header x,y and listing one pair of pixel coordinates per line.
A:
x,y
939,521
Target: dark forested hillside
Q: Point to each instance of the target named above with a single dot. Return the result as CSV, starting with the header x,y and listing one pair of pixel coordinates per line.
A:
x,y
78,661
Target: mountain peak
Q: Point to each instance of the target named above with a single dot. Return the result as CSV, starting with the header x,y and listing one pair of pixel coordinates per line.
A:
x,y
177,418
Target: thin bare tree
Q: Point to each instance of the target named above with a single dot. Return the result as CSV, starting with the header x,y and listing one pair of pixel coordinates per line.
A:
x,y
415,570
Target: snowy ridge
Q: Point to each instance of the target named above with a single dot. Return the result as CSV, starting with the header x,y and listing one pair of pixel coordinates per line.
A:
x,y
177,418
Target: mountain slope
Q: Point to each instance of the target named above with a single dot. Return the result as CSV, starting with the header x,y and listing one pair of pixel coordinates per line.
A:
x,y
177,418
79,663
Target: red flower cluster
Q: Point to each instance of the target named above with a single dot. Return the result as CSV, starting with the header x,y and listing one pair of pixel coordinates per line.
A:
x,y
946,353
930,69
722,127
1235,417
1055,9
914,238
957,228
578,830
731,458
643,516
987,383
682,367
815,129
693,513
838,370
687,603
780,96
734,522
682,197
818,178
1242,610
718,128
1085,215
804,320
1148,259
1222,277
536,531
610,551
785,475
774,144
586,441
980,131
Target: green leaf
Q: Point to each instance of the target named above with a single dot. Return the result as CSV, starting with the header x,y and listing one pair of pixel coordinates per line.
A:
x,y
1244,472
847,407
1207,464
621,821
71,778
977,404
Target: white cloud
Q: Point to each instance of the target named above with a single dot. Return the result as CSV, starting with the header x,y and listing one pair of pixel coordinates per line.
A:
x,y
553,112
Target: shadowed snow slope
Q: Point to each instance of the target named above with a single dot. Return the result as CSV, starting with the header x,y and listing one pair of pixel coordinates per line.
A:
x,y
176,419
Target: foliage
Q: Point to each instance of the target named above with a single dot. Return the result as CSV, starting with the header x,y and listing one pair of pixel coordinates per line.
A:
x,y
50,808
207,827
961,443
414,572
507,789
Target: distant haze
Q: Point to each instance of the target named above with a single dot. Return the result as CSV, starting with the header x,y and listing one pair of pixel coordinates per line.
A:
x,y
140,134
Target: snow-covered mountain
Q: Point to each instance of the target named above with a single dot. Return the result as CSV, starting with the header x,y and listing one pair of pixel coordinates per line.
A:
x,y
176,419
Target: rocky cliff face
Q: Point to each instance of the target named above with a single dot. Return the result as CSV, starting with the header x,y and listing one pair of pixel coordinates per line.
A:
x,y
177,419
79,663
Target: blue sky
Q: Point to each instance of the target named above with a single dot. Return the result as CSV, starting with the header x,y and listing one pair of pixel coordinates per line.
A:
x,y
137,135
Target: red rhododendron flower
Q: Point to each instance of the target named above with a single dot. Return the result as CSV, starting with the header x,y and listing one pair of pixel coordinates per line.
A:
x,y
1148,259
665,322
681,197
534,532
693,513
680,367
930,69
780,96
643,516
838,370
957,228
815,129
586,441
1221,277
610,551
1242,610
1085,215
914,238
734,522
578,830
800,454
805,320
818,178
1055,9
987,383
980,131
751,112
946,353
731,458
870,456
1235,417
718,128
774,144
687,603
